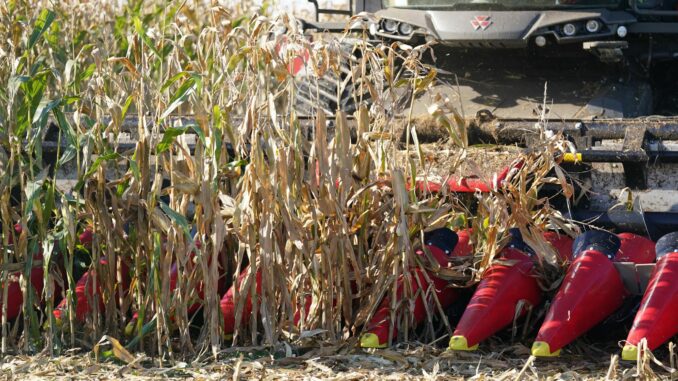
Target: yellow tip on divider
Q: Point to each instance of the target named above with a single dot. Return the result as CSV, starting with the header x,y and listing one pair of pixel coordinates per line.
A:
x,y
459,343
630,352
542,349
129,329
370,340
571,157
228,336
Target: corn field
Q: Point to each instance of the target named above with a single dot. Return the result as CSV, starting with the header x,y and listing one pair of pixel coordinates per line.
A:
x,y
178,128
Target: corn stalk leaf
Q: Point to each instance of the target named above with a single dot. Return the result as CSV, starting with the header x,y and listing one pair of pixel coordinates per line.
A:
x,y
168,138
177,218
41,25
183,92
95,166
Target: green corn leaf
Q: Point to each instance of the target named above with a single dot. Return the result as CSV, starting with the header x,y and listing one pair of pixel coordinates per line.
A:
x,y
15,83
234,61
169,137
125,107
198,131
70,150
141,30
86,74
41,25
183,92
33,192
95,166
145,330
174,79
238,21
176,218
134,167
44,107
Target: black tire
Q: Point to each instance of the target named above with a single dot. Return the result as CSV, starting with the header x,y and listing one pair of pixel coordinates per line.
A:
x,y
335,90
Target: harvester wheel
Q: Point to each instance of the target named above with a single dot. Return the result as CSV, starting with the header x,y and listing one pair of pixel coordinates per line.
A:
x,y
336,89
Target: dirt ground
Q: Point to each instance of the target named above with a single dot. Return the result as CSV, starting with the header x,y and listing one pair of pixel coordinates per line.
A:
x,y
332,363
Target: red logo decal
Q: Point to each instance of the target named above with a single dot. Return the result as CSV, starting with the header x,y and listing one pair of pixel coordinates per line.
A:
x,y
481,22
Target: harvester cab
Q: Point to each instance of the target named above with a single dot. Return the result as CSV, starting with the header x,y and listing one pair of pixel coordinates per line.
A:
x,y
600,71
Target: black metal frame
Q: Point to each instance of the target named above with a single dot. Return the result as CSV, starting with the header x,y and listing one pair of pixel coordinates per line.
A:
x,y
326,11
651,12
354,7
635,155
510,131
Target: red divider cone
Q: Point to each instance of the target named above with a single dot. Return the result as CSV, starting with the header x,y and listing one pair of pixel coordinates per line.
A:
x,y
493,305
228,304
462,248
199,288
636,249
592,289
657,318
302,312
443,244
562,243
85,291
14,296
445,295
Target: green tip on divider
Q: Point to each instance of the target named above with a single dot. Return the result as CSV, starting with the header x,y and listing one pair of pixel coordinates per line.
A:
x,y
370,340
58,323
542,349
459,343
630,352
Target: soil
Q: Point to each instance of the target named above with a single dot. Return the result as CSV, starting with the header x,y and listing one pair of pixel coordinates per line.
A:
x,y
330,363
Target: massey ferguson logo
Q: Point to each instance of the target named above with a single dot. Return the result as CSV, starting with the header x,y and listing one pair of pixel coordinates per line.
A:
x,y
481,22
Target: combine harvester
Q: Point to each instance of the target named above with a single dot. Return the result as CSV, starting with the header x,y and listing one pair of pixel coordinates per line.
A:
x,y
609,67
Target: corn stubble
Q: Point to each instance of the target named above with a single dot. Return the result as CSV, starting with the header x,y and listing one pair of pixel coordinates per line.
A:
x,y
317,213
